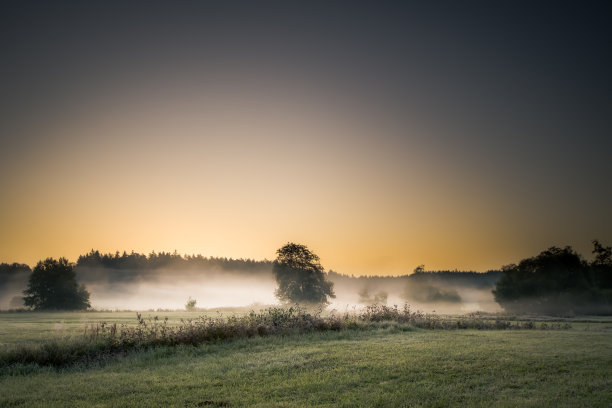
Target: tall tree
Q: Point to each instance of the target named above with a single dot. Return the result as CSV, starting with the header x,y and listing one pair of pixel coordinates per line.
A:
x,y
602,265
300,276
53,286
555,281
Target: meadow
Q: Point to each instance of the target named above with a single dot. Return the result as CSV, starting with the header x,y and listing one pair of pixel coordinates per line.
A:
x,y
387,366
38,327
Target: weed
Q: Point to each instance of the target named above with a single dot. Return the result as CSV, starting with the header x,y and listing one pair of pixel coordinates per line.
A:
x,y
101,340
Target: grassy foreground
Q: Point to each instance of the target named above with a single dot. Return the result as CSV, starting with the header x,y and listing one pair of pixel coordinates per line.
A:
x,y
105,340
374,368
37,327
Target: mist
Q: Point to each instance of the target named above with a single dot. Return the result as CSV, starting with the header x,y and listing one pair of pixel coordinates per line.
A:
x,y
237,290
440,292
170,289
13,280
167,281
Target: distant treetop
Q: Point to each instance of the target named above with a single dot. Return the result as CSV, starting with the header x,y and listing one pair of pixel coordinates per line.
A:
x,y
134,260
299,257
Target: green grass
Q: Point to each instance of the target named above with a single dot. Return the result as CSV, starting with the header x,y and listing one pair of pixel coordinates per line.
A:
x,y
395,367
36,327
100,341
346,369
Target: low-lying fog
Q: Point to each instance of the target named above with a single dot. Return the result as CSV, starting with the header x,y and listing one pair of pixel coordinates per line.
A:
x,y
173,292
430,296
114,289
472,300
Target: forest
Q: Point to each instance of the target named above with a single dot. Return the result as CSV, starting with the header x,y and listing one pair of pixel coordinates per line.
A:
x,y
556,281
115,278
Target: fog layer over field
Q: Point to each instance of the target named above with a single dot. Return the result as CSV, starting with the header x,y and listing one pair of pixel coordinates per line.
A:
x,y
13,280
250,284
472,300
447,292
238,291
11,293
171,288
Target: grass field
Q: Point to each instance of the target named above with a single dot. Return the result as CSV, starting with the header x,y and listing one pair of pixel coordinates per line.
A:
x,y
384,368
31,327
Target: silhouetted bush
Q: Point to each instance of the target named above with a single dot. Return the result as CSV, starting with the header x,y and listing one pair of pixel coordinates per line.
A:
x,y
425,293
191,304
557,281
52,286
379,297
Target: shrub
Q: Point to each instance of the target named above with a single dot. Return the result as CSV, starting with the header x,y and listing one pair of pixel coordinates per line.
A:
x,y
52,285
191,304
99,341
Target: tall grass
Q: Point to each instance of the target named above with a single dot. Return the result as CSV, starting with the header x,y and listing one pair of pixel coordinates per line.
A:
x,y
102,340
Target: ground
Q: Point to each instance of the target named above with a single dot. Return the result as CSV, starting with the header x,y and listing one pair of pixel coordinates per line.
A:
x,y
375,368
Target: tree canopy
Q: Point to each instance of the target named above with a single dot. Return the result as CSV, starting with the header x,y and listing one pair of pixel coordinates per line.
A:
x,y
557,280
602,266
300,276
136,261
53,286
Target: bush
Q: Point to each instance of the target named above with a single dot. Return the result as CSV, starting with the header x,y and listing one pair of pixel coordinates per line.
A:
x,y
190,306
557,281
99,341
52,286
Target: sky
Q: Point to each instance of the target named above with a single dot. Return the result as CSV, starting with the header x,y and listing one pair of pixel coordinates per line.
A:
x,y
382,135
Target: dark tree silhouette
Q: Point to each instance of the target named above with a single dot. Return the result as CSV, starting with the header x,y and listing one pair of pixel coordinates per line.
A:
x,y
9,272
52,286
97,267
602,265
556,281
300,276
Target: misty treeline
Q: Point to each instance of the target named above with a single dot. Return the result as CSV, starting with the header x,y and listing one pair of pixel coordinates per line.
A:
x,y
13,280
452,278
117,280
445,291
133,266
558,281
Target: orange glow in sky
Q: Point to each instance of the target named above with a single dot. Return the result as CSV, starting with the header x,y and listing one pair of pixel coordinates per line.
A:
x,y
241,177
382,138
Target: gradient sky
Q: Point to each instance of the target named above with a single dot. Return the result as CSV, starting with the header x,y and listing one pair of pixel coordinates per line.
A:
x,y
382,135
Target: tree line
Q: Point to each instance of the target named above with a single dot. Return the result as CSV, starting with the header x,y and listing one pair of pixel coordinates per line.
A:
x,y
135,260
558,280
10,272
